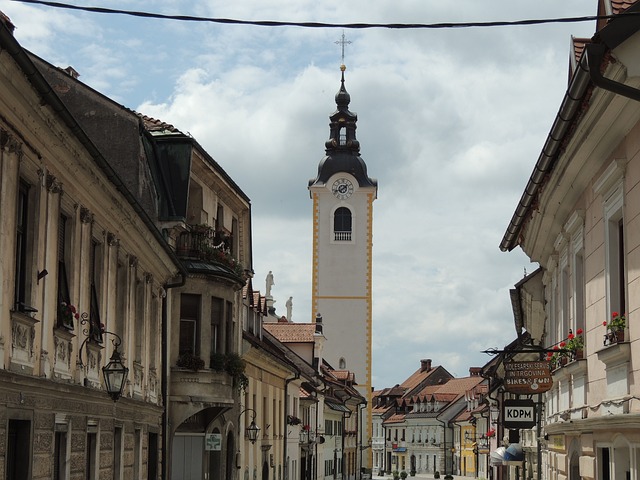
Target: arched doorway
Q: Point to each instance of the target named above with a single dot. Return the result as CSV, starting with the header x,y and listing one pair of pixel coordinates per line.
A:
x,y
265,470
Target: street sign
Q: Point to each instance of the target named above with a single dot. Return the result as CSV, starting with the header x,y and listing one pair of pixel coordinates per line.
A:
x,y
526,378
518,414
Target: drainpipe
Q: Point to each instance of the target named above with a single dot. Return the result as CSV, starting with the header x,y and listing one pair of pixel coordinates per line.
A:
x,y
165,374
286,436
444,444
595,56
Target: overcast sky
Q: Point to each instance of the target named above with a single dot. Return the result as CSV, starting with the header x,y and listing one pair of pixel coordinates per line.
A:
x,y
450,122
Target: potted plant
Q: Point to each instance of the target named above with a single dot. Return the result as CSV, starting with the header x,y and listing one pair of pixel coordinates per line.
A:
x,y
615,327
190,361
235,366
293,420
412,473
403,475
448,476
436,474
66,314
396,475
575,343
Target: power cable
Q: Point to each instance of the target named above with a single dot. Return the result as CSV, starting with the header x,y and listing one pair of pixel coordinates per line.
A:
x,y
273,23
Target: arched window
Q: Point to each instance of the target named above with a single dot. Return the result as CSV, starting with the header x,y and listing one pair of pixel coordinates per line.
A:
x,y
342,364
342,225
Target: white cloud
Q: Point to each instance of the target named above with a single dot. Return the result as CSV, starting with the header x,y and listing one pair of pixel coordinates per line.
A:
x,y
450,122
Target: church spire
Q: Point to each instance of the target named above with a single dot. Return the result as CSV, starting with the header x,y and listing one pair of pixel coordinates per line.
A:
x,y
342,126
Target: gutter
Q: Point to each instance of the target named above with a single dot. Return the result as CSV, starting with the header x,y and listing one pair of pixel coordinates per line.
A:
x,y
566,115
286,409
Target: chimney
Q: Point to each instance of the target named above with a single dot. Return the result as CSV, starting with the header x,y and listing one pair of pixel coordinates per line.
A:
x,y
318,323
425,365
475,371
72,72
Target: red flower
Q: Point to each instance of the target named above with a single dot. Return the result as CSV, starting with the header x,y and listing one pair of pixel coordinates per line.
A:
x,y
614,314
555,347
604,323
563,344
579,331
571,336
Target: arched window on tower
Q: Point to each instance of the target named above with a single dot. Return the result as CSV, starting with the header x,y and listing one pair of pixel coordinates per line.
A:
x,y
343,136
342,225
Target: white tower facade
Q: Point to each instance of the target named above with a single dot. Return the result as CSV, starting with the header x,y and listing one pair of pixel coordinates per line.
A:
x,y
343,196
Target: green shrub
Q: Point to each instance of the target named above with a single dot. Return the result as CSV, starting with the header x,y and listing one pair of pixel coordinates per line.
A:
x,y
437,474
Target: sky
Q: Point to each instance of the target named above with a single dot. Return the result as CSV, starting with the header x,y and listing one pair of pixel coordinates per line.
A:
x,y
450,123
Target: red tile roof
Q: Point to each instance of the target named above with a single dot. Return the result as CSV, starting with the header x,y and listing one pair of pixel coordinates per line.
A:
x,y
155,125
291,332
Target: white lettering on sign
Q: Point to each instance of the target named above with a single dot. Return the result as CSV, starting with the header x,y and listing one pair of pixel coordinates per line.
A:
x,y
519,414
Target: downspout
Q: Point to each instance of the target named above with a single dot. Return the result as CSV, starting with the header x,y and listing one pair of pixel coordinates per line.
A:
x,y
595,56
286,436
165,374
444,443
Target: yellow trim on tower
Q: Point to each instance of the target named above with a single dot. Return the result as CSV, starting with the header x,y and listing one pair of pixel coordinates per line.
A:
x,y
314,269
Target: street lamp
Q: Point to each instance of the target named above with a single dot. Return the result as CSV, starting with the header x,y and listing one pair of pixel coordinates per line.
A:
x,y
251,432
115,373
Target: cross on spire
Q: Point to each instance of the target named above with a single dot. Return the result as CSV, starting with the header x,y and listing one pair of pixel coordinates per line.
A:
x,y
342,42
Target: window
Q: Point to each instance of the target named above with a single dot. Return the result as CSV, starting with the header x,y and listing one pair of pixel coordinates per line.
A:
x,y
64,321
615,250
117,453
95,276
342,225
60,454
137,453
18,454
189,322
91,469
22,250
139,331
152,453
217,316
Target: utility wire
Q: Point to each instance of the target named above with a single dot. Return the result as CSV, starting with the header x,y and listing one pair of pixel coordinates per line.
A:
x,y
271,23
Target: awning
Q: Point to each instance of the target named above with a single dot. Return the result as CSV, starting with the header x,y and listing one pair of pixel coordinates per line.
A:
x,y
497,456
514,453
400,449
337,407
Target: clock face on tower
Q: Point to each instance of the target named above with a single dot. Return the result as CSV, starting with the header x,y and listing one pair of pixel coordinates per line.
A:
x,y
342,188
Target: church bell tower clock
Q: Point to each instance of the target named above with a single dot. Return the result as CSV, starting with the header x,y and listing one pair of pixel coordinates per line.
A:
x,y
343,195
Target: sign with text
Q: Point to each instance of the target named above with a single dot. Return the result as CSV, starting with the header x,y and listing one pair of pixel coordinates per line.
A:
x,y
519,414
526,378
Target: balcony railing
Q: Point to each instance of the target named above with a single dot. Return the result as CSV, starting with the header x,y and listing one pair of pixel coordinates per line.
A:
x,y
204,243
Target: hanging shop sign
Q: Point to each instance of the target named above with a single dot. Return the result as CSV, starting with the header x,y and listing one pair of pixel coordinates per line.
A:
x,y
527,378
519,414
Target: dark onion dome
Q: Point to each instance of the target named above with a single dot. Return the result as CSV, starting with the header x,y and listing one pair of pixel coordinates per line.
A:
x,y
342,149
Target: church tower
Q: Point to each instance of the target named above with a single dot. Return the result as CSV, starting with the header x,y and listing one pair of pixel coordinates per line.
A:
x,y
343,195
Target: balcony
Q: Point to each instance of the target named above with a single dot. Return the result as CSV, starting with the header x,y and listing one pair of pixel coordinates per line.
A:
x,y
206,386
207,250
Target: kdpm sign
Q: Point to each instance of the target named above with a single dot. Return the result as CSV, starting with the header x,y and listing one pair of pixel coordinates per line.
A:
x,y
519,414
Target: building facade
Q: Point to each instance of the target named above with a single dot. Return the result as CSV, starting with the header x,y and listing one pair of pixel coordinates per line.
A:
x,y
580,223
81,279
